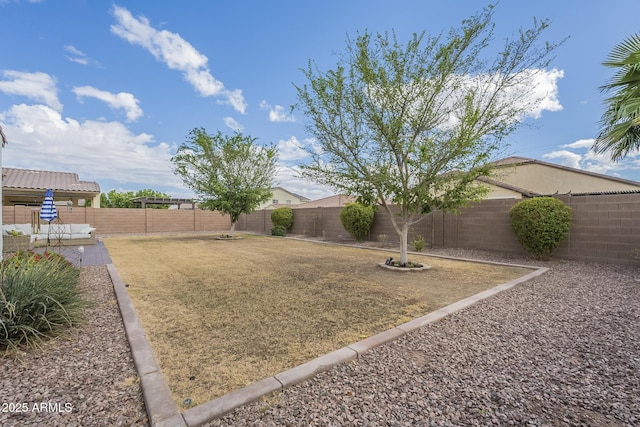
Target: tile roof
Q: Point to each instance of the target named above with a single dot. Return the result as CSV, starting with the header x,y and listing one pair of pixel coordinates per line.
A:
x,y
41,180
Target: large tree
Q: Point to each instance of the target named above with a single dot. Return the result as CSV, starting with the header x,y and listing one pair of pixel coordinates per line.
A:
x,y
232,174
620,125
414,125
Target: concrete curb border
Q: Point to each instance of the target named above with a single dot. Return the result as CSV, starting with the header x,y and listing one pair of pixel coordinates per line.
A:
x,y
162,410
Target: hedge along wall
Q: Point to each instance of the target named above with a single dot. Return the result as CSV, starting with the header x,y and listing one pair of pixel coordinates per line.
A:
x,y
116,221
606,228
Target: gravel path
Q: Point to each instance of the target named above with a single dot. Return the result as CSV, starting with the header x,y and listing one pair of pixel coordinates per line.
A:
x,y
560,350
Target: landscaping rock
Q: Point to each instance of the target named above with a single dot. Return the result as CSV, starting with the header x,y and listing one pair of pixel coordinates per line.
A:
x,y
561,349
84,379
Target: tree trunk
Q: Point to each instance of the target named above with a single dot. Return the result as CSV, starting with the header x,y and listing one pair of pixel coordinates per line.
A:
x,y
233,229
402,230
404,236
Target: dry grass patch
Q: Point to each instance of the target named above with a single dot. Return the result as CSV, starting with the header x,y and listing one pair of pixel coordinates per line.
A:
x,y
223,314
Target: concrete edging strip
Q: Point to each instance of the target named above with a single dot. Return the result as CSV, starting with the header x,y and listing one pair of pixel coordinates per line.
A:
x,y
221,406
161,408
159,402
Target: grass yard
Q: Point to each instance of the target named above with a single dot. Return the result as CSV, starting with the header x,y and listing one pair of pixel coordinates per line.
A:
x,y
223,314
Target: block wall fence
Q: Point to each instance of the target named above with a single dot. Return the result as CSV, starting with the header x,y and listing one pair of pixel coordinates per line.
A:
x,y
605,228
117,221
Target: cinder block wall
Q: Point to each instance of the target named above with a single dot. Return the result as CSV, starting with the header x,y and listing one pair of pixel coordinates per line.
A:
x,y
605,228
116,221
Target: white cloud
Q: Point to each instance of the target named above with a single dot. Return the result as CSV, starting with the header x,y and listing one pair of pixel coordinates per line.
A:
x,y
581,143
291,149
567,158
236,99
289,178
233,124
176,53
543,86
78,56
579,155
535,91
527,94
41,138
121,100
40,87
277,113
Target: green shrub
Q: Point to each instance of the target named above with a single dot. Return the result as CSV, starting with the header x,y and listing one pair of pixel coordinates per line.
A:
x,y
418,243
39,296
282,217
540,224
357,220
278,230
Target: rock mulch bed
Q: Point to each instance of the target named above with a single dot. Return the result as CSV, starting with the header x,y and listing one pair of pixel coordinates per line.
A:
x,y
562,349
85,379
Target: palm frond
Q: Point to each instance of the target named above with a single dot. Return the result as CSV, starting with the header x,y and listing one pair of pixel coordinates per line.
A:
x,y
626,53
620,124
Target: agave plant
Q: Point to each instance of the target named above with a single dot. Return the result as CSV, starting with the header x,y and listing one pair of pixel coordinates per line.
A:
x,y
620,124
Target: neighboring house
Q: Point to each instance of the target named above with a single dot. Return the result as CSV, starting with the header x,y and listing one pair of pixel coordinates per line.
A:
x,y
281,197
26,187
327,202
521,177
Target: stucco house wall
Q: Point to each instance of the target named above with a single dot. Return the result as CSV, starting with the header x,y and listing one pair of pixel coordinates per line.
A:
x,y
535,177
282,197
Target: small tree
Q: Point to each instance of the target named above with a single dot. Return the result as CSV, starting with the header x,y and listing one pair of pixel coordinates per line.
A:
x,y
414,126
357,219
540,224
232,174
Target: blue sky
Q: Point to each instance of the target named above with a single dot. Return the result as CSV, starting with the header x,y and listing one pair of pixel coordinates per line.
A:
x,y
110,90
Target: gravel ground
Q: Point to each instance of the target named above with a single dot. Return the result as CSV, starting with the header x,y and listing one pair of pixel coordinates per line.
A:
x,y
560,350
85,379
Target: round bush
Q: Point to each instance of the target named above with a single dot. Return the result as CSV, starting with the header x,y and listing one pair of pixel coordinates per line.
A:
x,y
540,224
357,220
282,217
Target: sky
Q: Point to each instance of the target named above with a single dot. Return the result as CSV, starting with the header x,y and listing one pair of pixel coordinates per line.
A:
x,y
109,90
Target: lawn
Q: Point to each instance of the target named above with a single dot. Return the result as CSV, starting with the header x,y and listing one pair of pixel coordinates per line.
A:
x,y
223,314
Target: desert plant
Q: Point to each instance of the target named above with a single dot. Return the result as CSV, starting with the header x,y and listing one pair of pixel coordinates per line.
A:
x,y
357,220
39,295
418,243
28,258
282,217
278,230
540,224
